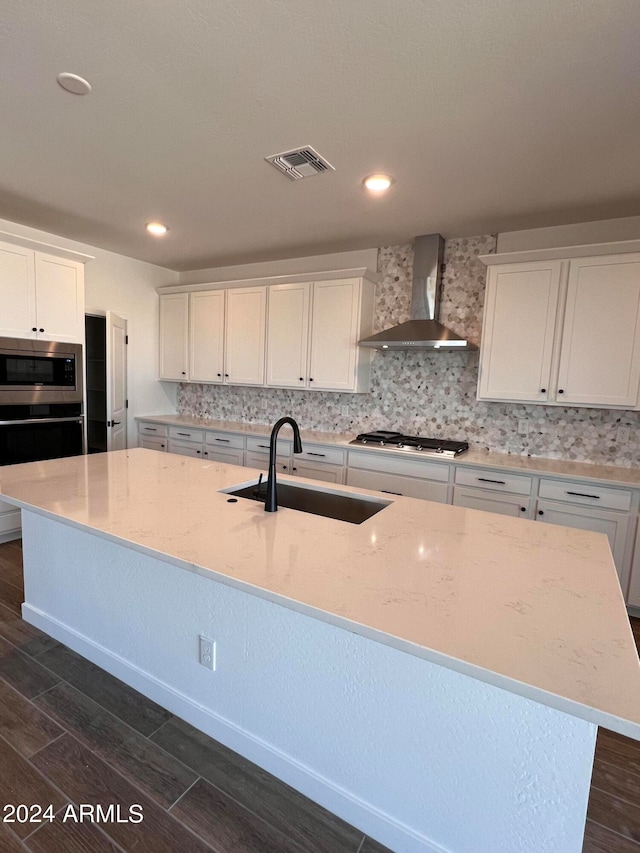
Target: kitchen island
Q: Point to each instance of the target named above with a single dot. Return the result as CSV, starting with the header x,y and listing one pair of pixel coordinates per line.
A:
x,y
435,675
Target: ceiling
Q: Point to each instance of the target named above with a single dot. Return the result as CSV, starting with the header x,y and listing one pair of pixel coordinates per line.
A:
x,y
491,116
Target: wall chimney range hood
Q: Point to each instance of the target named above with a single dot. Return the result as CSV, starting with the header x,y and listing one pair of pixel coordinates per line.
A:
x,y
423,330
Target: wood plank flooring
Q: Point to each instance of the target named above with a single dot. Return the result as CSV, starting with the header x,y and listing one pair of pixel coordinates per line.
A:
x,y
71,733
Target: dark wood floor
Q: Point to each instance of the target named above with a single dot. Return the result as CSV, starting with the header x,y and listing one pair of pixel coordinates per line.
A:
x,y
71,734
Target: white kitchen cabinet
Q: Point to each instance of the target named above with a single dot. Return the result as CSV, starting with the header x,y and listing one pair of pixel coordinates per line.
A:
x,y
227,447
10,522
319,462
590,506
520,310
153,443
245,335
633,598
600,354
563,332
174,336
206,336
313,332
493,491
41,295
393,475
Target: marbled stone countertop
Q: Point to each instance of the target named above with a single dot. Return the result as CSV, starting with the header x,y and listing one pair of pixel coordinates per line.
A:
x,y
533,609
507,461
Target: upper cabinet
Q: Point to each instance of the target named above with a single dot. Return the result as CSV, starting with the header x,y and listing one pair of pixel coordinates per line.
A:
x,y
213,336
563,332
313,331
293,334
41,295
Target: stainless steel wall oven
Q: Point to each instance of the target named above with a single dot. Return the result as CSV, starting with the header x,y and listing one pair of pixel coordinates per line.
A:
x,y
41,392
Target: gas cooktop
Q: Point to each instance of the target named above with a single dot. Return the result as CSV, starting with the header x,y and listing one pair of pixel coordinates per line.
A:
x,y
398,441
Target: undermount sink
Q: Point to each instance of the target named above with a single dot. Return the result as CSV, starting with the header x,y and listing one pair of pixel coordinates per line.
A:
x,y
352,508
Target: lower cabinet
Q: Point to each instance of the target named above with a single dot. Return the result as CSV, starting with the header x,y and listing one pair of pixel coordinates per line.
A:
x,y
318,462
493,491
395,476
10,522
227,447
590,507
633,598
152,443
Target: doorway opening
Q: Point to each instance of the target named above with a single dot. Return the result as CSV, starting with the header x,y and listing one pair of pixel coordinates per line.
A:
x,y
106,382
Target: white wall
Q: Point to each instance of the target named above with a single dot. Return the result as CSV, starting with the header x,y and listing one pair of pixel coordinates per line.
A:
x,y
604,231
127,287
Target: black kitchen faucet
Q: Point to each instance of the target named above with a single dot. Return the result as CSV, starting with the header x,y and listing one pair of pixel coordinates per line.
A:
x,y
271,500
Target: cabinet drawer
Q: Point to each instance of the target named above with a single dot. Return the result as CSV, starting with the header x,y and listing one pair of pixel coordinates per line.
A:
x,y
317,470
228,440
260,444
490,501
387,463
396,484
160,430
186,434
586,494
9,518
152,442
322,454
500,481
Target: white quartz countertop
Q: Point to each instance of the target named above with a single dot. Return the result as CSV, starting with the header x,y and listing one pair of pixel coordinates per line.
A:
x,y
533,609
611,474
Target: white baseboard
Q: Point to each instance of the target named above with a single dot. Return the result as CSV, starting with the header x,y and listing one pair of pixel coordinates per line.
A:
x,y
360,814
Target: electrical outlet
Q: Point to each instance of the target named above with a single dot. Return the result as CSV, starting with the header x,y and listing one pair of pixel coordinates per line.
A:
x,y
345,411
208,652
264,403
623,435
523,426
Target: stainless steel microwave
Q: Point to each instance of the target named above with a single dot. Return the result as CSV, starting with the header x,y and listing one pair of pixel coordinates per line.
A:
x,y
33,371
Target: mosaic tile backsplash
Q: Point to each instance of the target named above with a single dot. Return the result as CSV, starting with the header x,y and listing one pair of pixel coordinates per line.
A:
x,y
431,393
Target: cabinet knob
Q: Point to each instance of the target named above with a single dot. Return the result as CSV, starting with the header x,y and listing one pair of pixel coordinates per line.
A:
x,y
226,375
560,391
302,379
293,469
33,329
41,330
184,372
540,512
543,390
284,468
311,379
219,374
523,509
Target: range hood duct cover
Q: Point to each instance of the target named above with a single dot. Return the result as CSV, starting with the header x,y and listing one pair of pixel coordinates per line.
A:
x,y
423,330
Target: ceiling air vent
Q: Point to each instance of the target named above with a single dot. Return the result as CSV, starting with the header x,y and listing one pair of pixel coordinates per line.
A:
x,y
300,163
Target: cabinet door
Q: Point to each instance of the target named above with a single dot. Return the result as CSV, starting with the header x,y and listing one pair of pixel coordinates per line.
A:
x,y
396,484
600,355
521,302
229,457
59,298
206,336
17,292
613,524
288,335
185,448
245,336
174,327
490,501
334,335
634,583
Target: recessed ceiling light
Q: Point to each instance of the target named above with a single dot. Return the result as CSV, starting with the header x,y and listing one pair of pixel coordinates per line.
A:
x,y
378,183
157,229
74,84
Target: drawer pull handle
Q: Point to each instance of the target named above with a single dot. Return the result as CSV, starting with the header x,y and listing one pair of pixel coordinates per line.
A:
x,y
151,429
389,492
311,453
226,440
266,446
187,434
487,480
584,495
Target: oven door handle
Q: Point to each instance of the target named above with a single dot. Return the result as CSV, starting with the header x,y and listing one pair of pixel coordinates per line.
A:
x,y
76,418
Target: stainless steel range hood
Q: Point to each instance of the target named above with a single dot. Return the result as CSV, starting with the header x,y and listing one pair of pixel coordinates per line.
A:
x,y
422,331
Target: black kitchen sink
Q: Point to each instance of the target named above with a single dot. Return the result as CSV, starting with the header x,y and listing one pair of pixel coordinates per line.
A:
x,y
352,508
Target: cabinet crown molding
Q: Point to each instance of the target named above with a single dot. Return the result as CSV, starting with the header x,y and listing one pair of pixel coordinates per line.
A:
x,y
561,253
46,248
325,275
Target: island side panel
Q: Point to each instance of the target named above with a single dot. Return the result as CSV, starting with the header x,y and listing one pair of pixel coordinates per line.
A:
x,y
416,755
